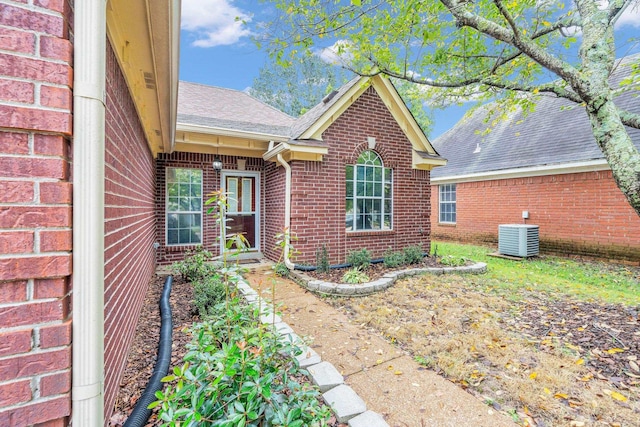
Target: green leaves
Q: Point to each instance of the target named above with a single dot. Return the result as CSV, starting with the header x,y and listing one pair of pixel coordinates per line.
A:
x,y
238,374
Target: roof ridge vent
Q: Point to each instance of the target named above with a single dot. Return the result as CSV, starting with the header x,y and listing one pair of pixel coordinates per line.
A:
x,y
329,97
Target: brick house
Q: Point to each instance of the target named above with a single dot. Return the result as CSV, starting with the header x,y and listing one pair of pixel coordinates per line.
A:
x,y
87,100
547,164
351,173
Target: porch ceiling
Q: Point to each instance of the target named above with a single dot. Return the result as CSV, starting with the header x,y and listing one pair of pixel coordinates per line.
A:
x,y
220,144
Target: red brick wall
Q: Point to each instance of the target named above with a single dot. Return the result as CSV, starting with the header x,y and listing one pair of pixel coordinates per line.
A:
x,y
318,196
211,182
35,212
129,225
580,213
274,209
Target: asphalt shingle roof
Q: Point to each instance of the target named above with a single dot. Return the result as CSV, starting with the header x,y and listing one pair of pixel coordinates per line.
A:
x,y
229,109
552,134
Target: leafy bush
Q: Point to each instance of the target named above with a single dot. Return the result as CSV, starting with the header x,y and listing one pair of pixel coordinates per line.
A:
x,y
238,373
393,259
354,276
208,292
452,260
322,260
359,259
413,254
196,265
281,269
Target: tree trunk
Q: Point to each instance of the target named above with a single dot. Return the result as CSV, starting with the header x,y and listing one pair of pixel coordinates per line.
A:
x,y
616,145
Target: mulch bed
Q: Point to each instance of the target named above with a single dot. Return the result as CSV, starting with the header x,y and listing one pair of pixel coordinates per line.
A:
x,y
374,271
143,351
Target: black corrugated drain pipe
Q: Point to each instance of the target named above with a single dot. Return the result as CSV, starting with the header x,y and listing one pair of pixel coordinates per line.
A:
x,y
140,413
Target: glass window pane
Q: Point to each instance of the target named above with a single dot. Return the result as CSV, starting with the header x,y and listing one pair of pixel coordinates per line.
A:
x,y
369,189
369,174
184,190
184,235
360,190
349,206
377,190
196,204
172,221
349,222
349,172
184,221
172,190
387,222
196,178
388,174
172,237
377,174
360,171
349,188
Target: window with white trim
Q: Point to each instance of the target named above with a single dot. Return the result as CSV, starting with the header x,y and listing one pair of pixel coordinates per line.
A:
x,y
184,206
447,203
369,201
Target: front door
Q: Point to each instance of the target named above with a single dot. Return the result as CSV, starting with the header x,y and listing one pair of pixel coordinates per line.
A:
x,y
242,217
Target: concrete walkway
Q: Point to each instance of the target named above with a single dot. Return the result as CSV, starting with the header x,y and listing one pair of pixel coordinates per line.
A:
x,y
389,381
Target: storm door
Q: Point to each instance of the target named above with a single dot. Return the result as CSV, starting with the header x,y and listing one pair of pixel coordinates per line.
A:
x,y
243,195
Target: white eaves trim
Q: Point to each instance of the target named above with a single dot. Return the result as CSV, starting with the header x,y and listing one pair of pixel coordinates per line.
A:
x,y
230,132
543,170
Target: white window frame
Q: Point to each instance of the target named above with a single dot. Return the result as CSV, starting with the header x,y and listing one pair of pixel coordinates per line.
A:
x,y
385,173
445,191
183,212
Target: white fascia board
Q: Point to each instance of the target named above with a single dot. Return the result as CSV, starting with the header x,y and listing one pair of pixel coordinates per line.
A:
x,y
230,132
543,170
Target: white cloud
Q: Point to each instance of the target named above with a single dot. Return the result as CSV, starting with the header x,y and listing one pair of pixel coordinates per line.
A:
x,y
630,17
214,22
337,54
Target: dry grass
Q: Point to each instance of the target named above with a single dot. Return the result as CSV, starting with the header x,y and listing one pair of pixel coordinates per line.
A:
x,y
476,339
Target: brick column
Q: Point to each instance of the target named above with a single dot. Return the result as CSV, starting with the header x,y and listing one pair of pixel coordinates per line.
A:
x,y
35,212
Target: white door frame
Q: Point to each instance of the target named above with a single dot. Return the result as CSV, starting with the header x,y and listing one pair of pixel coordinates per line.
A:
x,y
223,185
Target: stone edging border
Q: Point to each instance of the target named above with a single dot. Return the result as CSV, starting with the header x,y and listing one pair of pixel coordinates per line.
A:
x,y
341,289
345,403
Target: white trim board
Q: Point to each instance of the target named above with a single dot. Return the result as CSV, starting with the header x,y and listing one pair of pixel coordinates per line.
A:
x,y
543,170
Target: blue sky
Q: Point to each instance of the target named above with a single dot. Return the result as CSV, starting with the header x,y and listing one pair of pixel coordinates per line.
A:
x,y
217,49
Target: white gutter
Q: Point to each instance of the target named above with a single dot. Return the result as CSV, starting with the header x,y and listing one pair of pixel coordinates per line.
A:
x,y
87,392
184,127
563,168
287,210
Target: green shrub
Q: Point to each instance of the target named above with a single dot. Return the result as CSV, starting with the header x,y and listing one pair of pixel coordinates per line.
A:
x,y
453,261
393,259
208,292
237,372
354,276
196,265
413,254
281,269
322,260
359,259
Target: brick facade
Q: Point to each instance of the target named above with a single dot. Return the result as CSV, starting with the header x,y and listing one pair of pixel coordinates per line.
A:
x,y
319,193
35,212
211,182
579,213
129,225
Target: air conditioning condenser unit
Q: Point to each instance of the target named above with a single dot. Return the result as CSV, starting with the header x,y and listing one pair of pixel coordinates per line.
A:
x,y
521,240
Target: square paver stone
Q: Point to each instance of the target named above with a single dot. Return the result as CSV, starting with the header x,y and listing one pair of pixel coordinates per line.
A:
x,y
368,419
344,402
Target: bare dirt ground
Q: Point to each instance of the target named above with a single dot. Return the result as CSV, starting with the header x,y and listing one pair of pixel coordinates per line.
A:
x,y
546,360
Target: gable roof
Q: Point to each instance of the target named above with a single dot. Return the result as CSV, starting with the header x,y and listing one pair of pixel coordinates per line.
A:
x,y
227,109
555,134
229,121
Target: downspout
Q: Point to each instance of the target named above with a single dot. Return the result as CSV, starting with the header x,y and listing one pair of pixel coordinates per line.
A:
x,y
87,391
287,210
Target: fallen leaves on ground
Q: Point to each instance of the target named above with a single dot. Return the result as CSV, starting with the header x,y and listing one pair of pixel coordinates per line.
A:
x,y
544,360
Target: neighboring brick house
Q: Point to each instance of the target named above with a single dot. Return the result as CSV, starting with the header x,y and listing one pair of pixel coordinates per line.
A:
x,y
87,100
547,164
351,173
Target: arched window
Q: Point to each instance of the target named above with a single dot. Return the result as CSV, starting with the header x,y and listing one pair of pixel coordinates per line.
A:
x,y
369,194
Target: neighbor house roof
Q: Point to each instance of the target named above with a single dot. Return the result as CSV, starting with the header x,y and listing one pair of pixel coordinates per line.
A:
x,y
557,133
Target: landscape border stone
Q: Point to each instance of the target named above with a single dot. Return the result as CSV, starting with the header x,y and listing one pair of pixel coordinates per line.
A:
x,y
386,281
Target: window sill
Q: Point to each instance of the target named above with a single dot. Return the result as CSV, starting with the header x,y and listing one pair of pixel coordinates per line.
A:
x,y
447,224
181,248
362,233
